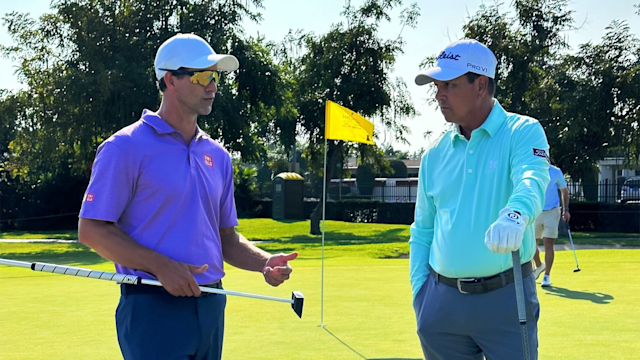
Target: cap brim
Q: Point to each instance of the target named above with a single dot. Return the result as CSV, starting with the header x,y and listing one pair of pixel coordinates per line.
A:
x,y
440,74
223,62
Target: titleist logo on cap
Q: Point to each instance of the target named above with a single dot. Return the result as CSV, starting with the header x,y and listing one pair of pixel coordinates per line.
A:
x,y
450,56
458,58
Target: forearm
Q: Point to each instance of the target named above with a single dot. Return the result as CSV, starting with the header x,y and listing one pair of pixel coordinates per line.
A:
x,y
422,232
565,199
418,265
241,253
110,242
528,193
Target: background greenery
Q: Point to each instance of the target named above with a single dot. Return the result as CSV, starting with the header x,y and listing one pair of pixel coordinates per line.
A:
x,y
87,67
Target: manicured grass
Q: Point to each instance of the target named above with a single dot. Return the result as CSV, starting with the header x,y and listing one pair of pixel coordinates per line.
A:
x,y
592,314
374,240
61,235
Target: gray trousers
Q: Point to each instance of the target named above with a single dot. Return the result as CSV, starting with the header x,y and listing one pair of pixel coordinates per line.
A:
x,y
452,325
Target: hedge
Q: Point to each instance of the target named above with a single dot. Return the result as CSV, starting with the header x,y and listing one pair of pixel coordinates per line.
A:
x,y
597,217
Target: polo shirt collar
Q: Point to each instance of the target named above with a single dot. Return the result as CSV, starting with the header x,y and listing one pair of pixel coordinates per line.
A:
x,y
496,118
456,133
162,127
491,125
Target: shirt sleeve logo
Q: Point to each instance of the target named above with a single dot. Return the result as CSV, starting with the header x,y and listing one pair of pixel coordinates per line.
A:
x,y
208,160
89,197
540,152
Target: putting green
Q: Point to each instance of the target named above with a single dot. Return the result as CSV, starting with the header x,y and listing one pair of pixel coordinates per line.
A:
x,y
592,314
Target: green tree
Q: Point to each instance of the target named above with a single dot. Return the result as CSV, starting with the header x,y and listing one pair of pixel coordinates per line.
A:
x,y
350,65
587,102
88,67
392,153
365,178
597,103
526,45
399,169
245,188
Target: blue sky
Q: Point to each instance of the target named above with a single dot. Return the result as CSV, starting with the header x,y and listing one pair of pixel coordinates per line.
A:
x,y
440,23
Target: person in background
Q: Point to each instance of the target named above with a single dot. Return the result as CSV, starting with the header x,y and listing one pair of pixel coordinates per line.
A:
x,y
547,222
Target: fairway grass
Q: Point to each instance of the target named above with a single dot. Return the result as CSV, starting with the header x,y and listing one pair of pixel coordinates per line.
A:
x,y
592,314
340,233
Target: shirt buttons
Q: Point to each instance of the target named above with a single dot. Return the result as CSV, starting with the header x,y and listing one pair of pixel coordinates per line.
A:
x,y
470,171
470,151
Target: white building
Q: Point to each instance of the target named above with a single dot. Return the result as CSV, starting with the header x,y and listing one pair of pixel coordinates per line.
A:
x,y
612,172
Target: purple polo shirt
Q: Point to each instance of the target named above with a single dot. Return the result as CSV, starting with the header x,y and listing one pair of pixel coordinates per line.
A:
x,y
168,195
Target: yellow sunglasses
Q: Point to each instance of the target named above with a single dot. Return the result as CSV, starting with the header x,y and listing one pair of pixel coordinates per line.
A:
x,y
203,78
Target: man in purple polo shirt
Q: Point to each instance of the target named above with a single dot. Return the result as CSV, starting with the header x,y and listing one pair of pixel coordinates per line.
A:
x,y
160,205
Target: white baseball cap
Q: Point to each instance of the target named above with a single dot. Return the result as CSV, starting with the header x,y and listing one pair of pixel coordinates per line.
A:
x,y
459,58
190,51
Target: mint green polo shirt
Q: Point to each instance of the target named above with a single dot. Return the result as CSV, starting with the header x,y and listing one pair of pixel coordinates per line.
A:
x,y
462,186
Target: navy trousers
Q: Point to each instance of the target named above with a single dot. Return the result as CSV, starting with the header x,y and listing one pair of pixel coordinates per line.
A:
x,y
154,324
453,325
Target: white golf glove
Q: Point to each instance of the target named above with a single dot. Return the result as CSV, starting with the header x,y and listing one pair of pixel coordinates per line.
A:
x,y
505,235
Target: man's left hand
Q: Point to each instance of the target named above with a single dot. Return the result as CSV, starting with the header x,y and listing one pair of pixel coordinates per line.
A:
x,y
505,235
277,268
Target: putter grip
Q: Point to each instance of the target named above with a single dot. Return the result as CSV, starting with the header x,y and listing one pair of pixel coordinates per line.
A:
x,y
88,273
522,312
517,275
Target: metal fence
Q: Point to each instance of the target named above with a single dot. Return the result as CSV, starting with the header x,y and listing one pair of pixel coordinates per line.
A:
x,y
603,191
406,190
382,189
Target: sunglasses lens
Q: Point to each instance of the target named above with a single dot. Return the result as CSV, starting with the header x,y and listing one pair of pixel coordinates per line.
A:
x,y
204,78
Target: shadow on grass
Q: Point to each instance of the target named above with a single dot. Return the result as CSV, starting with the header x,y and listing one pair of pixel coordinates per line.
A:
x,y
72,254
344,238
360,355
59,235
596,298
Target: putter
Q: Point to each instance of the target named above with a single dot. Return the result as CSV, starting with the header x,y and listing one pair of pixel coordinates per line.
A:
x,y
522,312
297,299
574,250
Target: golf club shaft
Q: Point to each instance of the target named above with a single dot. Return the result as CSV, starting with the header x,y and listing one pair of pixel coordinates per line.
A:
x,y
225,292
122,278
573,247
522,313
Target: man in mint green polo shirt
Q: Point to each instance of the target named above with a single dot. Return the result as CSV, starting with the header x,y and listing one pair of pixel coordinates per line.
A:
x,y
481,186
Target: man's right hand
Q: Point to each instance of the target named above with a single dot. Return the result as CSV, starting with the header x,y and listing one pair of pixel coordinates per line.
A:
x,y
177,277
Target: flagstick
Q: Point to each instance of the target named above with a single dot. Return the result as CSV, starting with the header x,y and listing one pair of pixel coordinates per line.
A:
x,y
350,126
324,202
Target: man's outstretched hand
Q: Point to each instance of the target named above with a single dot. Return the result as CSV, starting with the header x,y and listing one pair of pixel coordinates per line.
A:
x,y
277,268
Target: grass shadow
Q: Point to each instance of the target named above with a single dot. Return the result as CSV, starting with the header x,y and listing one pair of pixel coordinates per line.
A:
x,y
594,297
71,234
63,254
343,238
360,355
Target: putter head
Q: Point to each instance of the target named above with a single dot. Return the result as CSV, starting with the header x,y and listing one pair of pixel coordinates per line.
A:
x,y
576,270
298,301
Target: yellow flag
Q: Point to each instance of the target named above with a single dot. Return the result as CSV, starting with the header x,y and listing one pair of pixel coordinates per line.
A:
x,y
341,123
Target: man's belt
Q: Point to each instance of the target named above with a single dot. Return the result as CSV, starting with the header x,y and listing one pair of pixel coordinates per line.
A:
x,y
485,284
128,289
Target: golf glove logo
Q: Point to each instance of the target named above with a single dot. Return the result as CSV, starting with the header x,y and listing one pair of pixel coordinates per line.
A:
x,y
505,234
